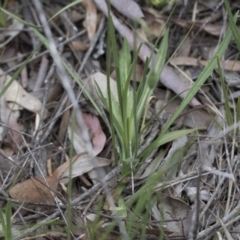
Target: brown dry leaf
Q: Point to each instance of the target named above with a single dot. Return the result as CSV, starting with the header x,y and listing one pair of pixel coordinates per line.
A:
x,y
79,46
129,8
191,192
173,210
189,61
94,126
75,16
16,94
90,22
212,29
185,48
80,166
98,137
101,80
152,14
9,117
35,190
6,54
12,31
156,25
157,28
198,118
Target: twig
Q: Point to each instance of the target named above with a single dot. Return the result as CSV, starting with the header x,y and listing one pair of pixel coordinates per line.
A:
x,y
41,73
40,54
93,43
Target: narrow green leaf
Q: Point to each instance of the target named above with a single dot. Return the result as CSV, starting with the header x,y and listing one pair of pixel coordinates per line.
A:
x,y
200,81
9,220
3,222
153,76
124,63
17,18
166,138
64,9
233,26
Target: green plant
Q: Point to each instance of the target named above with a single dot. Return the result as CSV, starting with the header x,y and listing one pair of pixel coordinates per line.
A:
x,y
3,22
128,109
6,221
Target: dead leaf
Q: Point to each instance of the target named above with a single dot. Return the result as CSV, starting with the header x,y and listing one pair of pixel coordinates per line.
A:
x,y
94,126
9,117
79,46
212,29
16,94
75,16
157,28
100,79
6,54
79,167
35,190
185,48
189,61
191,192
176,215
129,8
90,22
198,118
97,135
232,79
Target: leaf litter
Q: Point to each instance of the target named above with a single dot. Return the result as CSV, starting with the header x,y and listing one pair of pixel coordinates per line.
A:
x,y
200,175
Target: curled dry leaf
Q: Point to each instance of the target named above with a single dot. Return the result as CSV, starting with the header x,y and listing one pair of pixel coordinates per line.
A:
x,y
9,117
191,192
11,32
35,190
79,46
16,94
100,79
174,209
129,8
80,166
98,136
90,22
